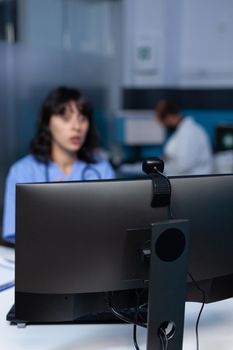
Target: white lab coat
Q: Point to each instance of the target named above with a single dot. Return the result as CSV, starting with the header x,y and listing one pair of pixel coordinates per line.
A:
x,y
188,151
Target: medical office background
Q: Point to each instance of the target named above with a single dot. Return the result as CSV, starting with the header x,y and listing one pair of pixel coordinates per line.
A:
x,y
124,55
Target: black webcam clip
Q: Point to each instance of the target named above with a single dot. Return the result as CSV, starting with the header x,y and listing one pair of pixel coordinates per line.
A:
x,y
161,185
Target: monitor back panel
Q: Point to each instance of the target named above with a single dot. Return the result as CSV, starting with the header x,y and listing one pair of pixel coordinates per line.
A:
x,y
84,237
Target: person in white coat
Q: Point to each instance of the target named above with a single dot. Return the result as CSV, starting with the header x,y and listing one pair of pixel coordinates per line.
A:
x,y
188,150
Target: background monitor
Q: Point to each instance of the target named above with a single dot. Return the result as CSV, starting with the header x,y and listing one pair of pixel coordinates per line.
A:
x,y
77,240
224,137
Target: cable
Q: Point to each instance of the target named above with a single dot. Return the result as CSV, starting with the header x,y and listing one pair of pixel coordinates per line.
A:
x,y
136,320
145,305
161,332
126,319
161,341
201,309
120,315
163,338
137,313
135,337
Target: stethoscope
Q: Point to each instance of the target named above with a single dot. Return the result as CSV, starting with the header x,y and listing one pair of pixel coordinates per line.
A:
x,y
88,173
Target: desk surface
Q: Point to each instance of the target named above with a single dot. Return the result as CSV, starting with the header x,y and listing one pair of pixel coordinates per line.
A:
x,y
215,330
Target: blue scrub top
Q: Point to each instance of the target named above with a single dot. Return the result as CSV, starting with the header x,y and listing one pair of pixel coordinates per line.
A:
x,y
28,169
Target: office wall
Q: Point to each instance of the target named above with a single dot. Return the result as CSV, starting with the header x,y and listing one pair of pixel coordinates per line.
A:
x,y
154,26
190,41
41,23
207,51
7,113
143,42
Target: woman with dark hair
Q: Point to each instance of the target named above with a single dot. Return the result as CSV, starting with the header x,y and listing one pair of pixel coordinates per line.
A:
x,y
63,149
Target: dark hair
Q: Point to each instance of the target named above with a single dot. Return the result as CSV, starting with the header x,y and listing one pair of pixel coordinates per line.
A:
x,y
168,107
56,103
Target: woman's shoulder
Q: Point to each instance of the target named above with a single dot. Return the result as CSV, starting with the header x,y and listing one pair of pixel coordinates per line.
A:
x,y
24,166
27,161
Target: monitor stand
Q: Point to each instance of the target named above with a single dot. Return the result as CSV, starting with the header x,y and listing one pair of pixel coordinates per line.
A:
x,y
167,284
168,255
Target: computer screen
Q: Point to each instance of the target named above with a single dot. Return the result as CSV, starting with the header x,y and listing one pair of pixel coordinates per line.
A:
x,y
224,137
77,240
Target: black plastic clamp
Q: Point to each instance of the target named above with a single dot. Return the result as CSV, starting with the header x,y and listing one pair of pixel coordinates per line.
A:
x,y
161,185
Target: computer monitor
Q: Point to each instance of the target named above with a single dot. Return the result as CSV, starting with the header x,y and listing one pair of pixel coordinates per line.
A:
x,y
224,137
76,241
